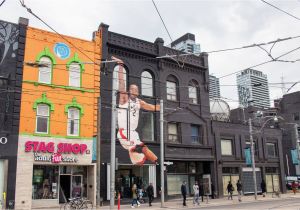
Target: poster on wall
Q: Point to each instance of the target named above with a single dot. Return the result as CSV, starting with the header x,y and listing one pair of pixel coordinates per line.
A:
x,y
131,108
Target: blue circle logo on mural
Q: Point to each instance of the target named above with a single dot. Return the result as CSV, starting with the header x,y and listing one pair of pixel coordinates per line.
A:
x,y
62,50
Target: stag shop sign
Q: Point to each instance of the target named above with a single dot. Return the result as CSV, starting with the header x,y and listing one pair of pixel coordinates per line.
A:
x,y
56,153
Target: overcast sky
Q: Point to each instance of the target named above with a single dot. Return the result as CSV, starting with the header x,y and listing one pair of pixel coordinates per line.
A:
x,y
216,24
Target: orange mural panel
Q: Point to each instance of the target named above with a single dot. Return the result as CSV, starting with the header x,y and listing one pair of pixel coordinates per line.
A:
x,y
59,92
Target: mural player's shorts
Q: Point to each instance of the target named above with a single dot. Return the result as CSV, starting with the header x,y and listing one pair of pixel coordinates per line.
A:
x,y
129,139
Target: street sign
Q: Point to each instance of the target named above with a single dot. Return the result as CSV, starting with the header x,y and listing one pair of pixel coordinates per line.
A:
x,y
168,163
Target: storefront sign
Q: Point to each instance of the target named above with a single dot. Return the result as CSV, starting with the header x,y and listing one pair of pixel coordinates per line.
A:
x,y
3,140
62,148
56,153
54,158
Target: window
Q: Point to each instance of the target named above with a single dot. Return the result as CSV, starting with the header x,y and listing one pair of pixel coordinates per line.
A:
x,y
42,118
226,147
193,98
45,182
271,149
296,116
123,74
173,133
147,126
147,84
195,137
73,122
45,70
74,75
248,145
171,91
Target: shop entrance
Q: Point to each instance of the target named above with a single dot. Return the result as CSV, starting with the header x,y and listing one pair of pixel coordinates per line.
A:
x,y
65,188
127,176
70,187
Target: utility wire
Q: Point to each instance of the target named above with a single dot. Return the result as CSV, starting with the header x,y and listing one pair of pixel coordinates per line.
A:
x,y
289,14
263,63
162,20
36,16
2,3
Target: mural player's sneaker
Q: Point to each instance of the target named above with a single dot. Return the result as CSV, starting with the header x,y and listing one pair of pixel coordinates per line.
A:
x,y
137,158
149,154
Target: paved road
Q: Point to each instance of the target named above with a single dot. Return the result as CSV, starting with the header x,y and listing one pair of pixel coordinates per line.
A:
x,y
286,204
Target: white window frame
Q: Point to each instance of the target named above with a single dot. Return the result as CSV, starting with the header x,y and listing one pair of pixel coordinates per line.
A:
x,y
42,116
225,153
171,96
275,148
45,69
146,83
193,100
73,119
75,75
177,133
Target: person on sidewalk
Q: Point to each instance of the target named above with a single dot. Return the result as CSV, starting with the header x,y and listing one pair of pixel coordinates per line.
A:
x,y
239,187
196,193
134,197
263,188
294,187
150,193
183,193
201,191
230,190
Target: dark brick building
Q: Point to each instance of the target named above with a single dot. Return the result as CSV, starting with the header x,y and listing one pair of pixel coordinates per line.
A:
x,y
183,85
289,109
231,139
12,45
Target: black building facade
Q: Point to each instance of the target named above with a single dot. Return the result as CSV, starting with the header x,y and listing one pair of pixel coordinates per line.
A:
x,y
12,45
289,109
231,140
183,86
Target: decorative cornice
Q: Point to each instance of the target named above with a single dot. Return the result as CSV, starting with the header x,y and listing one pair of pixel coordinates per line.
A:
x,y
75,59
74,104
43,100
46,53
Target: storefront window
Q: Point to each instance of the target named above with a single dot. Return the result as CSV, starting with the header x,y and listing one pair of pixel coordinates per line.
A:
x,y
174,184
45,182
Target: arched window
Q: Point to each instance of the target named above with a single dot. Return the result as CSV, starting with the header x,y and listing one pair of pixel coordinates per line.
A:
x,y
74,75
73,121
45,70
172,88
147,84
193,92
122,73
42,118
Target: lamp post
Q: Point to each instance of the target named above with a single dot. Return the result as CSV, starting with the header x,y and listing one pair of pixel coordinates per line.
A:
x,y
275,119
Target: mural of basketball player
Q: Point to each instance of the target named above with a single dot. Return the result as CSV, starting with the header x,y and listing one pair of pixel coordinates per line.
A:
x,y
128,119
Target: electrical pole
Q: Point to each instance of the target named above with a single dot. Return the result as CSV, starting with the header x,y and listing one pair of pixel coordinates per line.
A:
x,y
253,157
113,141
297,141
98,152
162,173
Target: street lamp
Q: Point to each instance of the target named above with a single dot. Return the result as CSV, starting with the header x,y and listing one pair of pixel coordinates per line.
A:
x,y
275,119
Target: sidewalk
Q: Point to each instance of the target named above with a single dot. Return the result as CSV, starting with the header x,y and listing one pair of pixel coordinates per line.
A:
x,y
177,203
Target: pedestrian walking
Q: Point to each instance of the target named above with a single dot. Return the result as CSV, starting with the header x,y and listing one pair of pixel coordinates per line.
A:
x,y
239,188
183,193
212,191
150,193
134,197
230,190
263,188
294,187
196,193
201,191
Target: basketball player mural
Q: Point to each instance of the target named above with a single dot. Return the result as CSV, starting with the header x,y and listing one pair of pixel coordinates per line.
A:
x,y
128,119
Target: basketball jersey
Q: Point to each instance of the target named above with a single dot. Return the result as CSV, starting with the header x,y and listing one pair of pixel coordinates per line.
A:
x,y
128,114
